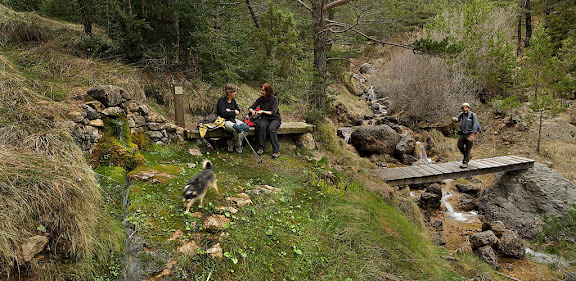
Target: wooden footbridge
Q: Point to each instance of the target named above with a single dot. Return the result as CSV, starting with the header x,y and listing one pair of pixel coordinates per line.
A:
x,y
451,170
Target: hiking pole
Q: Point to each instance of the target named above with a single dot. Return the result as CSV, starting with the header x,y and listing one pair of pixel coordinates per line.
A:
x,y
257,156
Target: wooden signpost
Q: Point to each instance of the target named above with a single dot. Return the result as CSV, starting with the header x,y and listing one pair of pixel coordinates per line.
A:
x,y
179,106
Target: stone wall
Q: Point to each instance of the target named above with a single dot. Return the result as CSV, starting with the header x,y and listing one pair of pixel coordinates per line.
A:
x,y
114,102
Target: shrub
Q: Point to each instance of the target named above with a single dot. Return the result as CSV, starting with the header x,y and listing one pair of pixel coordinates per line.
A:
x,y
425,88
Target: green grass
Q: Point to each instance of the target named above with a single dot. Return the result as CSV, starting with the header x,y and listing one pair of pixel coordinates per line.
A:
x,y
310,230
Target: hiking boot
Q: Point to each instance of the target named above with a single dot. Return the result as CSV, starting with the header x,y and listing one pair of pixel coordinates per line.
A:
x,y
276,155
230,146
238,148
260,151
464,166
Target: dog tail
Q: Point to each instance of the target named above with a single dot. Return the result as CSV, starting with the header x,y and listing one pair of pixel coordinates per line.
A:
x,y
207,165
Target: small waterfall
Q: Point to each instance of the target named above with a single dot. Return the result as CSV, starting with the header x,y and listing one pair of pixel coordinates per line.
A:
x,y
421,152
450,212
347,139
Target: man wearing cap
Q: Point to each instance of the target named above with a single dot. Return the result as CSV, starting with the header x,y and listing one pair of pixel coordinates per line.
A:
x,y
469,126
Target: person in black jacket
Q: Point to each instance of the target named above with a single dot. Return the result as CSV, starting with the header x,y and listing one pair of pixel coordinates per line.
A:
x,y
469,127
228,109
269,121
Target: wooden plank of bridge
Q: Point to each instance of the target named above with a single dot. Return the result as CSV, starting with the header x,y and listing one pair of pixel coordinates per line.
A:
x,y
452,170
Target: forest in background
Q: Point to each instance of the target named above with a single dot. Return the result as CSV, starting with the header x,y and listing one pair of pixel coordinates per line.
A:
x,y
485,42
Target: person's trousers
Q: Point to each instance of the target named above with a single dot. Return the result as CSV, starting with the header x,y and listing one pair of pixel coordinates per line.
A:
x,y
268,127
465,147
229,126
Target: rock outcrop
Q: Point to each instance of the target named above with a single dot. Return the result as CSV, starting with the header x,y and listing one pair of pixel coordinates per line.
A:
x,y
520,198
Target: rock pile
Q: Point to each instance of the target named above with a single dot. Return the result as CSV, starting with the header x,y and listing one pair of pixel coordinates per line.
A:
x,y
495,240
115,103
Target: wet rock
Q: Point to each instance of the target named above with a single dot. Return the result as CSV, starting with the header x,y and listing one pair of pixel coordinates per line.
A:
x,y
488,255
437,224
429,201
435,188
484,238
468,189
467,202
511,245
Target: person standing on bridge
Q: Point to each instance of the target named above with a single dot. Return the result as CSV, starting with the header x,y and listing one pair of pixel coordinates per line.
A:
x,y
269,121
469,127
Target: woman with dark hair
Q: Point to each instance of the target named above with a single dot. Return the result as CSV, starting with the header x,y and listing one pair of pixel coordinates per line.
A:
x,y
228,109
269,121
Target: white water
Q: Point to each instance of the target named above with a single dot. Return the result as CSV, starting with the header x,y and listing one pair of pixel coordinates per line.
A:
x,y
347,139
422,152
543,257
469,217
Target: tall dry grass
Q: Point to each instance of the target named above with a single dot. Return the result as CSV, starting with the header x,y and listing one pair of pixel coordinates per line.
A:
x,y
44,178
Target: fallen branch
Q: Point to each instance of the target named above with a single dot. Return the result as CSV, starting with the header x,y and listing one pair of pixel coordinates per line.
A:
x,y
507,276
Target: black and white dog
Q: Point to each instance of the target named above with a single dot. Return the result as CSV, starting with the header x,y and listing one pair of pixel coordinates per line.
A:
x,y
197,187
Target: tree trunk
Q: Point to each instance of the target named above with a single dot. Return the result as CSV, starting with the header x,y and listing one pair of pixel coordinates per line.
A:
x,y
539,132
519,34
130,7
528,15
143,9
85,17
253,14
320,58
176,24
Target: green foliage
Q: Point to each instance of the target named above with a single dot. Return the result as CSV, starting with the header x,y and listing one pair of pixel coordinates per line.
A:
x,y
442,47
562,229
278,35
481,31
506,104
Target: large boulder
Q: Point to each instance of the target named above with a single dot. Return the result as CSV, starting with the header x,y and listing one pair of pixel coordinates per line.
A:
x,y
488,255
368,140
520,198
480,239
107,95
510,245
406,145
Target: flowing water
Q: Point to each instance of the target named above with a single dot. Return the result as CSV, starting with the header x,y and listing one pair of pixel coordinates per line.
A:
x,y
421,152
468,217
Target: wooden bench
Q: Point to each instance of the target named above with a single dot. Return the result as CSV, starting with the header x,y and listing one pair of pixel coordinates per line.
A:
x,y
286,128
